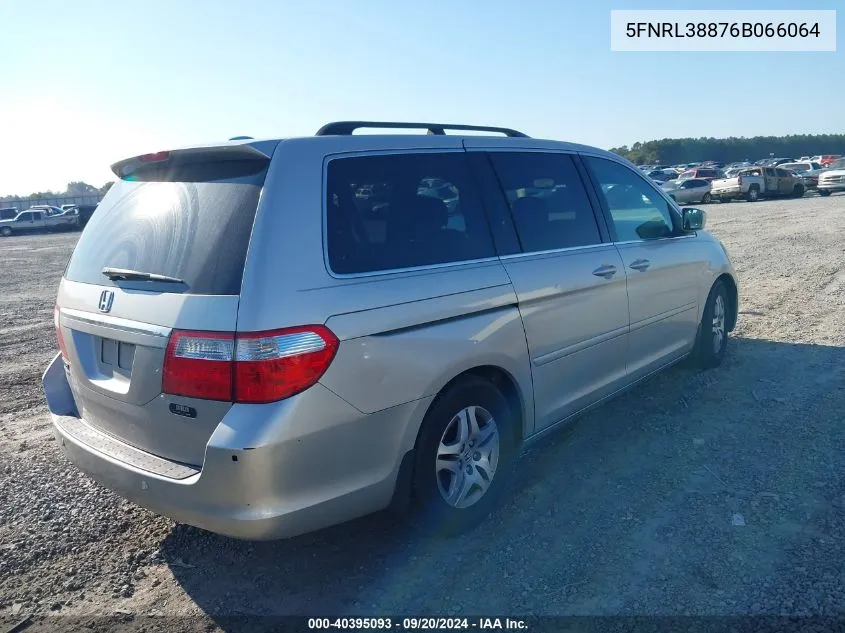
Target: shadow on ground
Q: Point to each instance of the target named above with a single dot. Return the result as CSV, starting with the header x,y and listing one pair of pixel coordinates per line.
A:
x,y
631,509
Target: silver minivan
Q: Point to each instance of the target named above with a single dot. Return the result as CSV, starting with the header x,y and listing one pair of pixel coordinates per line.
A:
x,y
263,338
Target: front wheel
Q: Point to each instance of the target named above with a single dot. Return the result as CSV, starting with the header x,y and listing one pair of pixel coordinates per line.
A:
x,y
706,198
5,231
824,193
798,191
464,454
753,194
712,340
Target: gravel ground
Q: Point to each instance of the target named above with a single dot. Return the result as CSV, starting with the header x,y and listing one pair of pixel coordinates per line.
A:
x,y
715,493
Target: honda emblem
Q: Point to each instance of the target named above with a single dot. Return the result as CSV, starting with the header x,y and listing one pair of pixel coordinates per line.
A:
x,y
106,299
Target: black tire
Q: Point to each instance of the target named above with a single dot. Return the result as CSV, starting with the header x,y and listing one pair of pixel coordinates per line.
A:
x,y
430,512
5,231
824,193
706,198
798,191
707,354
753,194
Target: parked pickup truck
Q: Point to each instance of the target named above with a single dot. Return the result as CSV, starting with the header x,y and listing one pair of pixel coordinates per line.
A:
x,y
34,220
754,183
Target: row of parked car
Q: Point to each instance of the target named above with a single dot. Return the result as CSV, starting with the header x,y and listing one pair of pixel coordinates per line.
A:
x,y
773,177
45,217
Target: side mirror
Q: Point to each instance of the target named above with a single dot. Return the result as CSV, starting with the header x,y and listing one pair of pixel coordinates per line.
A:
x,y
693,219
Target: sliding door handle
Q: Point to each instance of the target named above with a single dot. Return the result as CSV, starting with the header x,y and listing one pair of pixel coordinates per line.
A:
x,y
605,271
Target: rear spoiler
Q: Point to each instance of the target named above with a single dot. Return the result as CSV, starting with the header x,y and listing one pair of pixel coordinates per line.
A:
x,y
254,151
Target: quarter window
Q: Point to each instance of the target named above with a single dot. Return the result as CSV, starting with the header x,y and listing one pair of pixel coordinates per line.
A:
x,y
548,203
638,210
396,211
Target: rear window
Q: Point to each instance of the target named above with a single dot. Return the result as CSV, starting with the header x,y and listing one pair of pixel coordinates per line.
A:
x,y
193,223
397,211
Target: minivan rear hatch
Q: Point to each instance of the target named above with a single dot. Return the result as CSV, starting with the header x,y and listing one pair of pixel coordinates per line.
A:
x,y
165,251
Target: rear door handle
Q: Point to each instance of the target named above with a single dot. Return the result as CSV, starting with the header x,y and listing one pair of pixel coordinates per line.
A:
x,y
640,264
605,271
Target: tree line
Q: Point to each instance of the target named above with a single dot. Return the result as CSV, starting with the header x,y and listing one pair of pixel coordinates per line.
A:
x,y
673,151
77,188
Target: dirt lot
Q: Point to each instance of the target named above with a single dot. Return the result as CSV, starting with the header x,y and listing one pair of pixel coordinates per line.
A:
x,y
698,493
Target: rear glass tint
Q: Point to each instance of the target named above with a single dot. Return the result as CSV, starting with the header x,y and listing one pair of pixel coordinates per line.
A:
x,y
398,211
193,223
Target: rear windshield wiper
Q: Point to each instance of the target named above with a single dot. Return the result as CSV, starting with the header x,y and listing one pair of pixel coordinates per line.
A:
x,y
137,275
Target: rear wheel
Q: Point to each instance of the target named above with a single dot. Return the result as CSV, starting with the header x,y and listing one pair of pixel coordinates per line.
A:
x,y
712,341
706,198
753,194
464,454
6,231
824,193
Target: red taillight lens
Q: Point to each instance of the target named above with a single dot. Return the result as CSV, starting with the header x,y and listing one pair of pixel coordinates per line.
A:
x,y
199,365
59,336
252,367
273,365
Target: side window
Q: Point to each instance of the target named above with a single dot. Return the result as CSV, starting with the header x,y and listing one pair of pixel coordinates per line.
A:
x,y
639,212
782,173
401,211
770,172
25,217
548,203
38,215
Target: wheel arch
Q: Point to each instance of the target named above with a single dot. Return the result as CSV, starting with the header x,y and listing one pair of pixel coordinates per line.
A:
x,y
733,299
519,407
505,382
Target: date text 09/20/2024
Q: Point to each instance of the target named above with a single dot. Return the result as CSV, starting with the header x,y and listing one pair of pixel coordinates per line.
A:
x,y
418,624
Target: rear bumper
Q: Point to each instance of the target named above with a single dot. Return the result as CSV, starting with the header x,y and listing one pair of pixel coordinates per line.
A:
x,y
270,471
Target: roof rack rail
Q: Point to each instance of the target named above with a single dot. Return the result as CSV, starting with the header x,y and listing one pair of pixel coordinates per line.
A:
x,y
345,128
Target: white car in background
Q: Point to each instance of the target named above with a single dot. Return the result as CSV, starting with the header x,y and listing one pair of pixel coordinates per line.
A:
x,y
832,179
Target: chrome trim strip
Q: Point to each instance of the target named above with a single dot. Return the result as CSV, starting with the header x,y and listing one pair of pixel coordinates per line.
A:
x,y
112,327
414,269
577,347
664,315
556,251
657,240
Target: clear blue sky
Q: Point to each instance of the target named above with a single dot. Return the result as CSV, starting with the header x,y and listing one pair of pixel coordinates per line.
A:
x,y
86,83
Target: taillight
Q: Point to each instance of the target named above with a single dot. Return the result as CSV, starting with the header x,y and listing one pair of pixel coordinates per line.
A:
x,y
59,336
277,364
199,365
251,367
